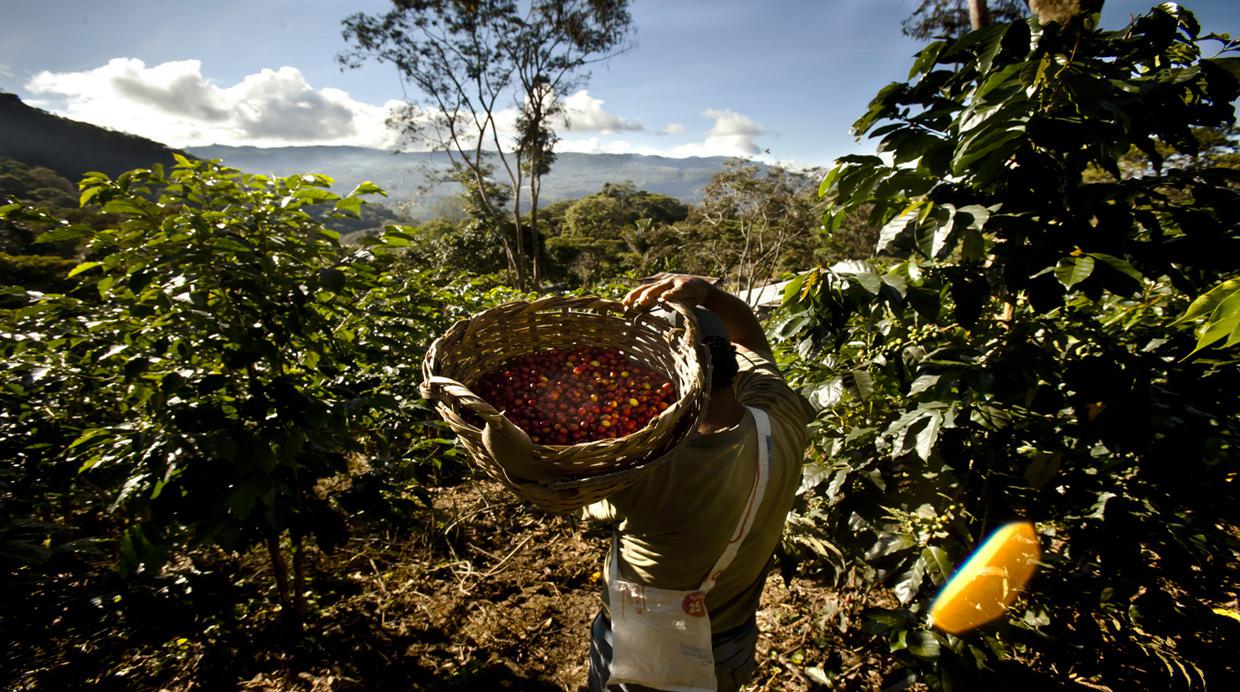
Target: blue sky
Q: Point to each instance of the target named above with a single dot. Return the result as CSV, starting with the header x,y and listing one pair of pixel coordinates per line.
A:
x,y
704,78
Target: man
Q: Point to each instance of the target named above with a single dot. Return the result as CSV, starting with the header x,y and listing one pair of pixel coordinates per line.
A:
x,y
701,528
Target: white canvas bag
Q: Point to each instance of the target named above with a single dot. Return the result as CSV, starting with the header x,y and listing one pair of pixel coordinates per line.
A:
x,y
661,637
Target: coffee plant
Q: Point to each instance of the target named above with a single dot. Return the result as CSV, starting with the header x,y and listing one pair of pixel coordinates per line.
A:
x,y
1032,355
219,356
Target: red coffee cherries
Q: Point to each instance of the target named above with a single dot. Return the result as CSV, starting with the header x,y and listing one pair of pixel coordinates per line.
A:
x,y
567,396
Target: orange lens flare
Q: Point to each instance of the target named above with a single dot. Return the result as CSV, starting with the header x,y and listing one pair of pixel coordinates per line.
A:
x,y
989,581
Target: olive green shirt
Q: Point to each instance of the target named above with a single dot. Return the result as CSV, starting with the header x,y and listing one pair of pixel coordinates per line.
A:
x,y
675,523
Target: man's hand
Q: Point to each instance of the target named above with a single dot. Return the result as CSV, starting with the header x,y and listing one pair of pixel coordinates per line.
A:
x,y
678,287
743,327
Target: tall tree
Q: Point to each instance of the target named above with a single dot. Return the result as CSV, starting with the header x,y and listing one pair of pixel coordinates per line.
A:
x,y
475,62
753,223
956,17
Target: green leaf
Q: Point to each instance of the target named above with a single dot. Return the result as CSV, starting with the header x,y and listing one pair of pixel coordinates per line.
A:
x,y
923,644
976,214
1073,270
1224,322
793,288
242,500
367,188
991,45
869,281
882,620
996,144
926,58
1118,265
826,394
1235,335
972,246
63,233
863,381
880,106
395,239
1206,303
898,227
938,565
350,205
944,239
923,383
90,193
928,435
909,583
829,180
123,206
84,266
88,435
889,544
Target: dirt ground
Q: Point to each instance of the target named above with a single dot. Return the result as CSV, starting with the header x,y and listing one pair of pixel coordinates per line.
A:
x,y
504,600
479,591
483,593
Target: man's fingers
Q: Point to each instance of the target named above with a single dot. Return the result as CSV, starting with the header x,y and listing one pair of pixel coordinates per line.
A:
x,y
664,285
644,295
676,292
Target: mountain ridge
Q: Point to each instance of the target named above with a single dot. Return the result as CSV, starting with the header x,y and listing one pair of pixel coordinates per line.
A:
x,y
415,181
409,178
71,147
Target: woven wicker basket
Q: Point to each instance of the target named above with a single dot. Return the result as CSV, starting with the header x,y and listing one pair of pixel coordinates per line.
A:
x,y
561,478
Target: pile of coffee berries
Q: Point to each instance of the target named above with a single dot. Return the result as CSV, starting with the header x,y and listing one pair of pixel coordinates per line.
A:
x,y
567,396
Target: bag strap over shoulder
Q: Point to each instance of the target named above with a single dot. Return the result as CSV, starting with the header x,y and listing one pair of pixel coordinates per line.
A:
x,y
762,474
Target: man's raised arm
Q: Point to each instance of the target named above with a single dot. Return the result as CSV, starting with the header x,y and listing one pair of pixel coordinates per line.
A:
x,y
742,325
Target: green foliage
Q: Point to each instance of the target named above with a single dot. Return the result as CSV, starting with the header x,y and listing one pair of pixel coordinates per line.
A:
x,y
588,260
1221,308
937,18
616,231
43,188
468,60
754,224
230,354
43,273
1023,360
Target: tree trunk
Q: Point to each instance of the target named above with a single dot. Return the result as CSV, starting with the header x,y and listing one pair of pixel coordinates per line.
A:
x,y
509,257
279,569
535,250
299,580
522,274
979,14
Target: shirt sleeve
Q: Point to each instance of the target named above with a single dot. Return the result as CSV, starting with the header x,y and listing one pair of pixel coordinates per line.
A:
x,y
759,384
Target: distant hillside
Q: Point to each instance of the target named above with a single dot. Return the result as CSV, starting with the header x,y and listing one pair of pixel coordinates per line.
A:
x,y
68,147
406,177
71,148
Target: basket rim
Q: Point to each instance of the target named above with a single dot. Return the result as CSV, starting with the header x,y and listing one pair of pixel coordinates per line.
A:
x,y
589,470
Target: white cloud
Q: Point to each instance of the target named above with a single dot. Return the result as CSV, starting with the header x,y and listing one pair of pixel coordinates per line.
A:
x,y
729,123
732,134
594,145
583,112
5,71
175,104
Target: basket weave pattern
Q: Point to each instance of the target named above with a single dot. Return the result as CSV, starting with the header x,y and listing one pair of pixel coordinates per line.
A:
x,y
565,477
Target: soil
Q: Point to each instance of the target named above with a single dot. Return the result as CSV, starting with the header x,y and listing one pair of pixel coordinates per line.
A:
x,y
488,594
